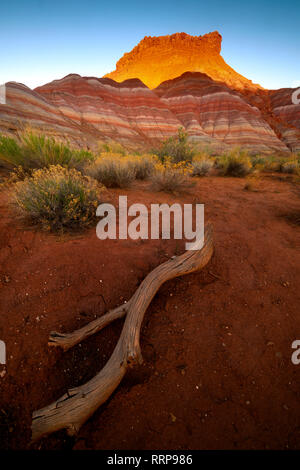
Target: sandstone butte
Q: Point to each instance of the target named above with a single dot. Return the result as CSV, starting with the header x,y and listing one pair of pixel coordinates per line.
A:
x,y
216,106
157,59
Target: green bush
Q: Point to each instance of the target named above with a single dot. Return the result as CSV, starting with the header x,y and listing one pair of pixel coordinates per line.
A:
x,y
177,148
58,198
34,151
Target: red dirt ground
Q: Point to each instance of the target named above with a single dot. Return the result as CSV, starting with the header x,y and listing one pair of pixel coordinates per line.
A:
x,y
216,344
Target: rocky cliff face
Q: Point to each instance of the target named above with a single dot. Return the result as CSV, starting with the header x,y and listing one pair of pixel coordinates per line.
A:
x,y
157,59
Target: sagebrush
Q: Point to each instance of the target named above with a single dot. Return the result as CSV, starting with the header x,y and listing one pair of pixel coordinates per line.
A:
x,y
202,167
58,198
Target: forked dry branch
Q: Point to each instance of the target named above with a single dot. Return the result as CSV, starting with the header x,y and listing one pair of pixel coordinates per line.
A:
x,y
68,340
78,404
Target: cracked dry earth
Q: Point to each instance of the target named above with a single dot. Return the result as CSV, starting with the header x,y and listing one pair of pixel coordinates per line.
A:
x,y
217,351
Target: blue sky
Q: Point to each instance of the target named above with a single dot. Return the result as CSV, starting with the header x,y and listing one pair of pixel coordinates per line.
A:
x,y
41,41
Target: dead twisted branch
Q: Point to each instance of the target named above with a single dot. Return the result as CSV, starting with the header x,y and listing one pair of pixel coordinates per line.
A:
x,y
78,404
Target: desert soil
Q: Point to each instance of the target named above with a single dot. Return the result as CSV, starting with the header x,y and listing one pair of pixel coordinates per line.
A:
x,y
217,370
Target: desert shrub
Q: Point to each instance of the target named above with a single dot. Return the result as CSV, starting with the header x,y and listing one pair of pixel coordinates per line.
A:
x,y
273,163
235,163
143,166
34,151
12,177
172,178
258,162
177,148
236,167
219,162
291,166
202,167
203,151
58,198
282,164
112,147
113,171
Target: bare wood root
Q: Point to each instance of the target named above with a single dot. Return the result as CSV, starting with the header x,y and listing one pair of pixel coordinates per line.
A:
x,y
68,340
78,404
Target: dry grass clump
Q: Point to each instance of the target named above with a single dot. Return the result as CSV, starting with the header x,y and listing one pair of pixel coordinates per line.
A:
x,y
144,166
58,198
172,178
117,171
113,171
34,150
202,167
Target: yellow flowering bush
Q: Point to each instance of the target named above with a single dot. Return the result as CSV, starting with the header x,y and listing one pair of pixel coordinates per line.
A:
x,y
58,198
172,177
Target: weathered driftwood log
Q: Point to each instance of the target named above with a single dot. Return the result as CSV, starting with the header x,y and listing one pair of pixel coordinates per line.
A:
x,y
78,404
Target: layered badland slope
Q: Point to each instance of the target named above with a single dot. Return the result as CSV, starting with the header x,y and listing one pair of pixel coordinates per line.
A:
x,y
162,84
